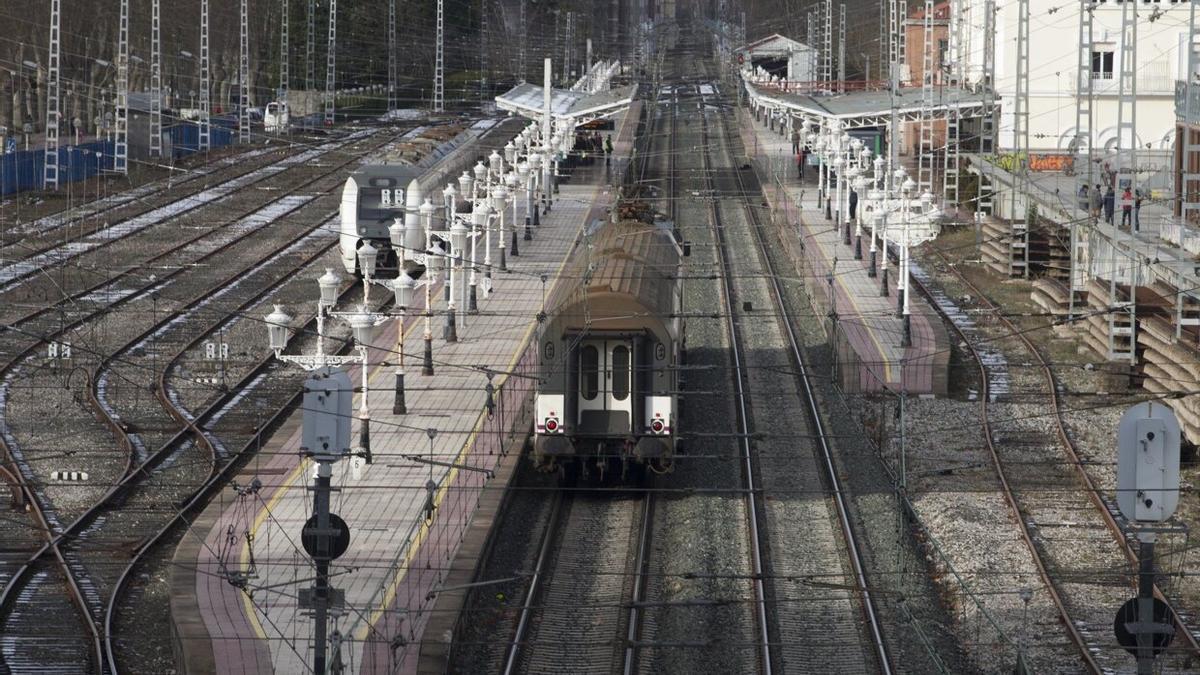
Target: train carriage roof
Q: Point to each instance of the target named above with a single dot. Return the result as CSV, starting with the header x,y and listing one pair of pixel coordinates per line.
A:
x,y
633,278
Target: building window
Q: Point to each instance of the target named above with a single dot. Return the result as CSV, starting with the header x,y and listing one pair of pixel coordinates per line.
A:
x,y
1102,64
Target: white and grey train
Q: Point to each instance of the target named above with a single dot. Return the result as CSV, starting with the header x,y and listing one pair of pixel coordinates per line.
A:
x,y
377,195
609,353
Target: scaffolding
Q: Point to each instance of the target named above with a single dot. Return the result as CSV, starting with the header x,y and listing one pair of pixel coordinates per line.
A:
x,y
952,157
391,29
50,168
121,121
439,82
524,32
244,77
283,52
331,66
155,80
842,48
827,42
1083,142
987,125
205,138
484,48
1017,215
925,134
310,49
1122,320
884,39
1190,192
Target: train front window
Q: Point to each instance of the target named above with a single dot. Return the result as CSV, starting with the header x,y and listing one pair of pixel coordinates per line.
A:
x,y
589,372
620,372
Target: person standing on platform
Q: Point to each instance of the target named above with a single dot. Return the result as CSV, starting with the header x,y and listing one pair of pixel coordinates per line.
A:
x,y
801,156
1137,210
1095,200
1109,205
853,202
795,141
1127,208
608,148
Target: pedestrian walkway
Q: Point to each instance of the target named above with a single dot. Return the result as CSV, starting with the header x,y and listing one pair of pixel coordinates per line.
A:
x,y
403,532
1160,238
867,327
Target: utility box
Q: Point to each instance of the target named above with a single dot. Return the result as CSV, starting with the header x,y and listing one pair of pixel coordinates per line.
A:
x,y
1148,463
327,409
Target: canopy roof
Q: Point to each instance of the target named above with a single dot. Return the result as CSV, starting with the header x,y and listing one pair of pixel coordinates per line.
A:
x,y
868,108
575,107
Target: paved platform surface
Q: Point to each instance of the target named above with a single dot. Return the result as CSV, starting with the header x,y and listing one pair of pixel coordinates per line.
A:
x,y
870,354
396,556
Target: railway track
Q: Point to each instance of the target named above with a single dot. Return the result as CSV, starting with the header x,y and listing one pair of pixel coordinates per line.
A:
x,y
23,240
829,544
1067,525
590,560
122,246
66,544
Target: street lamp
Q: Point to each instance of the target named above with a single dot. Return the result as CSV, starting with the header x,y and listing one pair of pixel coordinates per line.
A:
x,y
500,196
426,210
361,322
906,188
396,237
458,239
532,177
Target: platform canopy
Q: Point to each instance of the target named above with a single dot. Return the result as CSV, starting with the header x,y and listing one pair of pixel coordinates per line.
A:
x,y
859,109
574,107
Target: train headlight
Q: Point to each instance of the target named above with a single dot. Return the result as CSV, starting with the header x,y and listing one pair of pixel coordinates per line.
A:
x,y
657,426
551,425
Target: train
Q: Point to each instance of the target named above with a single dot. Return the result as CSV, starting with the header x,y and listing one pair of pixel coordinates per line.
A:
x,y
609,353
376,195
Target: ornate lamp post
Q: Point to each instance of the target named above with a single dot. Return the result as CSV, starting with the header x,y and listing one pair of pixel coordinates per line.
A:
x,y
532,183
458,240
499,204
361,323
432,263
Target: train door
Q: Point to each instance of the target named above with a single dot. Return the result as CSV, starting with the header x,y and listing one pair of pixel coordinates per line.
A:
x,y
605,382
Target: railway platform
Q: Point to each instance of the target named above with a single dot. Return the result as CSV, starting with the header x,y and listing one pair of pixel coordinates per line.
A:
x,y
866,326
239,572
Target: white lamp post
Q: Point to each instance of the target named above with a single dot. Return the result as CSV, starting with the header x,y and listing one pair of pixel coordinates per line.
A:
x,y
499,204
426,210
906,189
403,289
533,182
839,166
458,239
361,322
479,217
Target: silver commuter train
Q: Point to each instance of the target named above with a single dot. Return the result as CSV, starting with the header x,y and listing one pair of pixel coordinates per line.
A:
x,y
376,195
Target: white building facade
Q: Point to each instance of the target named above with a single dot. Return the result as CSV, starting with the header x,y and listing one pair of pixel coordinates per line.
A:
x,y
1054,45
